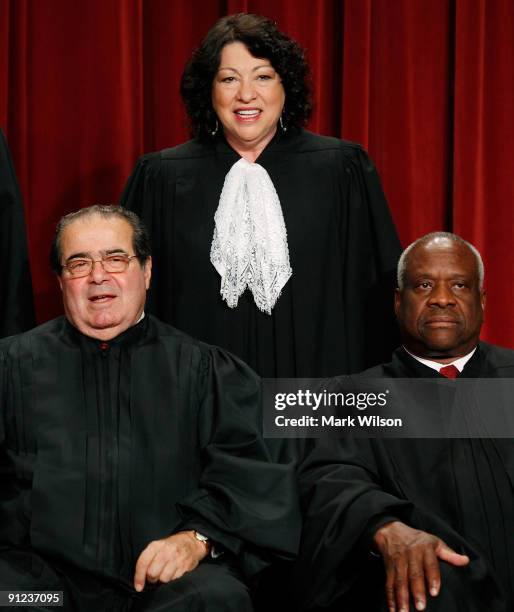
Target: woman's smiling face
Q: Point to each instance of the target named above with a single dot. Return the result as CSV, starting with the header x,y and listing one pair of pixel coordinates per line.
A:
x,y
248,98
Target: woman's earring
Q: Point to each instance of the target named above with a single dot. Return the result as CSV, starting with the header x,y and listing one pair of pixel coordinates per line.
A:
x,y
215,130
282,126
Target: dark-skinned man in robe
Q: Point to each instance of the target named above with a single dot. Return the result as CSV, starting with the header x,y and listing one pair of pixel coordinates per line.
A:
x,y
431,519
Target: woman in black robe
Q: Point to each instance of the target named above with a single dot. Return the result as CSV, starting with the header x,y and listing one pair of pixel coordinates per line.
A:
x,y
295,274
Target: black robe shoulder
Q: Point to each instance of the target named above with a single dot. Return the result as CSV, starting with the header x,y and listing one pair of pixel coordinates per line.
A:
x,y
16,301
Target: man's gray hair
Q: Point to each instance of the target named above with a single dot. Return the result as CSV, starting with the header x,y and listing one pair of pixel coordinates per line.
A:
x,y
402,263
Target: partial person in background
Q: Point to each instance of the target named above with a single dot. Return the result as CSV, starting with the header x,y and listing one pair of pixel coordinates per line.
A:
x,y
271,241
16,299
437,512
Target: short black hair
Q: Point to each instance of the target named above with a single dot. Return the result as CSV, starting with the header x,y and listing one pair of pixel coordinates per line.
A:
x,y
263,39
140,239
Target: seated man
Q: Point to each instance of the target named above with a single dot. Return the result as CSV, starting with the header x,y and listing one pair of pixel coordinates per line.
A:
x,y
431,518
132,471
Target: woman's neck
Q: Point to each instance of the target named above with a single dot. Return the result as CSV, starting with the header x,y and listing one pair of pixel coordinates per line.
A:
x,y
250,151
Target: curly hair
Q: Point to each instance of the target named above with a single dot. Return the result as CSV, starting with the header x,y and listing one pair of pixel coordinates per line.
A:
x,y
263,39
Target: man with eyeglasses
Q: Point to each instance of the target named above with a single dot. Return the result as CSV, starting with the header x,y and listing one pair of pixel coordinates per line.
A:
x,y
132,472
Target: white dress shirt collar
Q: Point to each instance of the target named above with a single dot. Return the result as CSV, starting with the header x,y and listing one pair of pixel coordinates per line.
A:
x,y
435,365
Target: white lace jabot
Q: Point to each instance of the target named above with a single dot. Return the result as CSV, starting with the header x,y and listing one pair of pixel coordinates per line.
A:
x,y
249,246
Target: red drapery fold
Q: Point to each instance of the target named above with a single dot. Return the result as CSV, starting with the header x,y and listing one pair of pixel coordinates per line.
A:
x,y
427,87
483,152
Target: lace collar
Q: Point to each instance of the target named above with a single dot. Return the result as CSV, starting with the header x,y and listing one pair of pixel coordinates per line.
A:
x,y
249,247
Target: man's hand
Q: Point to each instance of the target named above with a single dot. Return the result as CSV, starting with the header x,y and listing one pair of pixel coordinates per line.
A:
x,y
411,559
168,559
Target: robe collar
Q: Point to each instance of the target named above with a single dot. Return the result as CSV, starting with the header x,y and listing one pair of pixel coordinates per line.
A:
x,y
281,142
130,336
410,367
435,365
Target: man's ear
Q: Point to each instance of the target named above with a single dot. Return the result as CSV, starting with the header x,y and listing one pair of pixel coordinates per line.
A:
x,y
483,299
397,301
148,272
59,280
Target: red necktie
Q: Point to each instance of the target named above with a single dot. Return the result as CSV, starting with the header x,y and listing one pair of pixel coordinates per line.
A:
x,y
450,371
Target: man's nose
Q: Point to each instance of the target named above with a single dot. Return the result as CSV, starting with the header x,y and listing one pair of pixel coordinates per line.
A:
x,y
98,273
442,295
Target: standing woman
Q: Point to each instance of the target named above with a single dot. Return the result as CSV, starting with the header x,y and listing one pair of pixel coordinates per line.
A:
x,y
271,241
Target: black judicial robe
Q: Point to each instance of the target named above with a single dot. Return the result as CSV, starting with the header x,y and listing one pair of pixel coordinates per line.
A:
x,y
16,302
458,489
333,314
104,450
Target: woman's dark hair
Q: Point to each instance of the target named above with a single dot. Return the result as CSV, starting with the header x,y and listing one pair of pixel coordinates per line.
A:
x,y
263,39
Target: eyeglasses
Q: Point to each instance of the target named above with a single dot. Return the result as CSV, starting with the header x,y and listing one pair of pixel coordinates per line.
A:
x,y
112,264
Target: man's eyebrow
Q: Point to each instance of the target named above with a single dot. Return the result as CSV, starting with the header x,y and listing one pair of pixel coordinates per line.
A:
x,y
87,255
78,255
113,251
418,275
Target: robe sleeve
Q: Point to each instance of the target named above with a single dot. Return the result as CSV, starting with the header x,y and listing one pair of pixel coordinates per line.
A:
x,y
4,471
16,302
342,501
245,501
151,196
372,252
3,402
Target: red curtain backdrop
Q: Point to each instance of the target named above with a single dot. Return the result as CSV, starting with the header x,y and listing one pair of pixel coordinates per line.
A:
x,y
427,86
